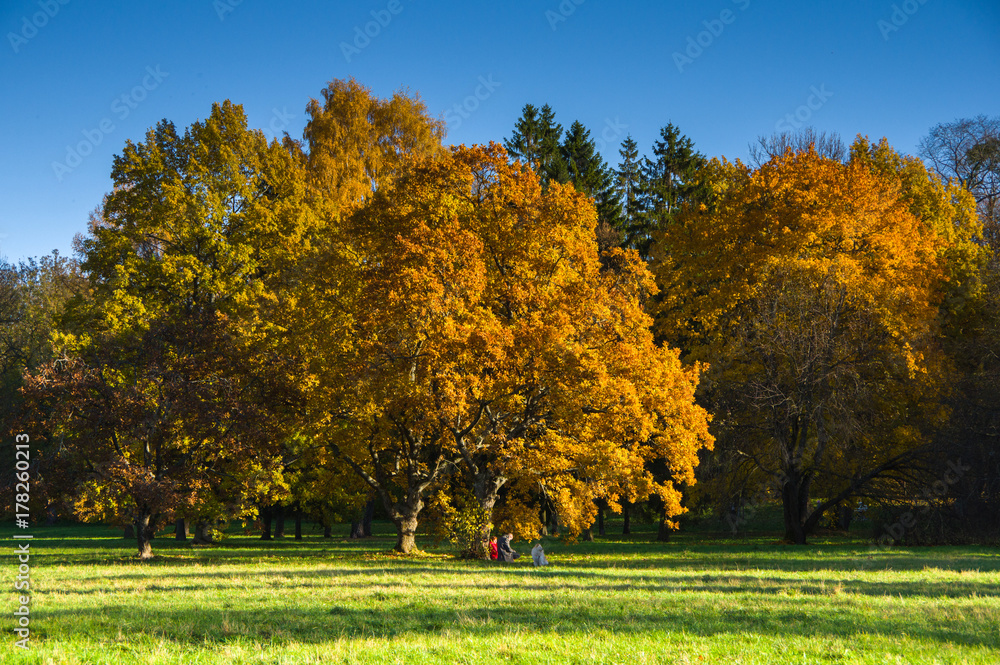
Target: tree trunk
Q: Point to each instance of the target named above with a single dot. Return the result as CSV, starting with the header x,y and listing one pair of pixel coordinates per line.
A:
x,y
327,530
362,526
298,521
404,514
663,534
279,526
202,533
145,528
845,517
129,532
366,521
406,529
600,518
626,518
554,523
266,514
795,504
181,529
588,535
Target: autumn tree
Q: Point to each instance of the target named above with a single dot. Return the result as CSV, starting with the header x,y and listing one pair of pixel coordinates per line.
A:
x,y
481,335
813,287
825,144
172,397
34,297
968,150
355,141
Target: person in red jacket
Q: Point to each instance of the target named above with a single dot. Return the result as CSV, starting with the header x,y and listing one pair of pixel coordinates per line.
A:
x,y
493,548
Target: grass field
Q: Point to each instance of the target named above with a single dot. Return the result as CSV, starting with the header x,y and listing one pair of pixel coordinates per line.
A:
x,y
698,599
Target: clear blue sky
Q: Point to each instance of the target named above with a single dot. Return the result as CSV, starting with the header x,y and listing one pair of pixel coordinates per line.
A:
x,y
91,75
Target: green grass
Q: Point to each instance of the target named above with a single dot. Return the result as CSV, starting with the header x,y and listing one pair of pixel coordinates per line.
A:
x,y
699,599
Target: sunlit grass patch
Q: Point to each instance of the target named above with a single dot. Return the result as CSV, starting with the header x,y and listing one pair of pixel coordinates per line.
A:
x,y
622,600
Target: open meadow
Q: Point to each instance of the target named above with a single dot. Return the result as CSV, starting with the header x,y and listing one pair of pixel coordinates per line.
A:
x,y
701,598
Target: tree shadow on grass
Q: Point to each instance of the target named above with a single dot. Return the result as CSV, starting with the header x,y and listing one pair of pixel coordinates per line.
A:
x,y
393,615
548,579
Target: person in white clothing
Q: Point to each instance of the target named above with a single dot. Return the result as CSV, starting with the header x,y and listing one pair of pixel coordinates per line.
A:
x,y
538,555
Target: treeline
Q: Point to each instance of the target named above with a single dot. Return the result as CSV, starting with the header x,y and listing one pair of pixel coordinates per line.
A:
x,y
519,338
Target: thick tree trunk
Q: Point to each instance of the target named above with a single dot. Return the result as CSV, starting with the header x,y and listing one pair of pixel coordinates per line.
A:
x,y
626,518
795,504
328,530
600,518
203,533
588,535
406,529
129,532
366,521
486,494
298,521
145,529
181,529
279,524
265,517
486,485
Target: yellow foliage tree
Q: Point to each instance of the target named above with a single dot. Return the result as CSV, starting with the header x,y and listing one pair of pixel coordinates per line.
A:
x,y
169,391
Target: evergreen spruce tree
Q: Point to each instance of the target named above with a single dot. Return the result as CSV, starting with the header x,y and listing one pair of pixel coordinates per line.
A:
x,y
535,141
590,174
553,165
524,142
628,190
670,179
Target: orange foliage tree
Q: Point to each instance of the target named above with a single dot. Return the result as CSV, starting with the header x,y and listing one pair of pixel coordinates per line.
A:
x,y
477,335
814,288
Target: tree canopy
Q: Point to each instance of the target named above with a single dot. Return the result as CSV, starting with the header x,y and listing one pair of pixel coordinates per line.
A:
x,y
813,287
